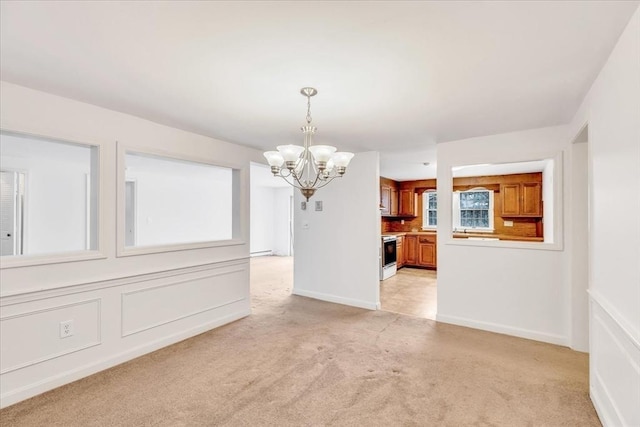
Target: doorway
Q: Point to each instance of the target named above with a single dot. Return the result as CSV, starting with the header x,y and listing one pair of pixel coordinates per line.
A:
x,y
580,249
12,196
271,213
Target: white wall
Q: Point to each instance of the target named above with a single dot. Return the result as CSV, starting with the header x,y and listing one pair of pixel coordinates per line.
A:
x,y
125,306
514,290
262,219
612,111
337,250
283,229
269,212
55,192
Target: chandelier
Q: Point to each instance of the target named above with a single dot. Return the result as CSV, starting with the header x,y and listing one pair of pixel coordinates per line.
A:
x,y
308,167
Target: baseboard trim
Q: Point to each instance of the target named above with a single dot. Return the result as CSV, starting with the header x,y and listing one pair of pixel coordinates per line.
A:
x,y
336,299
261,253
67,377
503,329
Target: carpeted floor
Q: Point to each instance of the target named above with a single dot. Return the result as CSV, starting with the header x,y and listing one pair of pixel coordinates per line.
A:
x,y
301,362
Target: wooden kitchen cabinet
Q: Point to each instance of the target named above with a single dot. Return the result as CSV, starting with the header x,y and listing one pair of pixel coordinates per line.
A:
x,y
394,202
408,202
427,246
521,200
419,250
400,252
410,250
385,199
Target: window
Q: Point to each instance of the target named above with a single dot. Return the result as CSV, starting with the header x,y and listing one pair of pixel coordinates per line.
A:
x,y
430,209
473,209
172,201
49,201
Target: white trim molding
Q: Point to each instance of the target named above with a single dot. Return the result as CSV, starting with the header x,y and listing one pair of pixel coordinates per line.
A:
x,y
504,329
615,365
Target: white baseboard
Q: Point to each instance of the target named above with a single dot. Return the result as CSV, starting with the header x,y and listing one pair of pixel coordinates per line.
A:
x,y
504,329
261,253
336,299
67,377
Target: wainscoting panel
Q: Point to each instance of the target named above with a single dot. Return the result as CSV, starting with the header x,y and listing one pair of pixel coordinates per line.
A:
x,y
37,334
615,367
160,303
114,321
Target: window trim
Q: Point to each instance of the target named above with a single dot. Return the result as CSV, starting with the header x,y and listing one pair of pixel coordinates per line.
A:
x,y
455,224
425,206
17,261
239,175
445,183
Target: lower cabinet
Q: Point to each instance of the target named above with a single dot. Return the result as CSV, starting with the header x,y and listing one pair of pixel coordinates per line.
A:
x,y
427,251
419,251
410,250
400,260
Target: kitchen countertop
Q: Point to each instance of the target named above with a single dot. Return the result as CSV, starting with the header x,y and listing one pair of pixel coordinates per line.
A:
x,y
466,235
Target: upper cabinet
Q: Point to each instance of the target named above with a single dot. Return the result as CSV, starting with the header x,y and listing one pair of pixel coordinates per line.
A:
x,y
397,202
408,202
521,199
385,199
394,201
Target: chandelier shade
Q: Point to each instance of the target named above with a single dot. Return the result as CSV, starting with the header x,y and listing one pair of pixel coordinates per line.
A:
x,y
308,167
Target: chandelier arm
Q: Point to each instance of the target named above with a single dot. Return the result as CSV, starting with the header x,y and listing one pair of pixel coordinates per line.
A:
x,y
292,183
295,175
325,182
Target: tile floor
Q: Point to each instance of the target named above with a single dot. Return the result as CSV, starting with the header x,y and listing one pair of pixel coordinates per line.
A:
x,y
412,291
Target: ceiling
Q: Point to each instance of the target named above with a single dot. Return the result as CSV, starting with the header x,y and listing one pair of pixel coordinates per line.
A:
x,y
396,77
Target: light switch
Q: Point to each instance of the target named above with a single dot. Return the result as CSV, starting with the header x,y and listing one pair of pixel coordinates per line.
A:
x,y
319,206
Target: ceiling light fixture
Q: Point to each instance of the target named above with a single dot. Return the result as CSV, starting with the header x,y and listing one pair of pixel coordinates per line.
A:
x,y
308,167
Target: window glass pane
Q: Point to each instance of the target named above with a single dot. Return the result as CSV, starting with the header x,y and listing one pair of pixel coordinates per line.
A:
x,y
171,201
430,204
48,195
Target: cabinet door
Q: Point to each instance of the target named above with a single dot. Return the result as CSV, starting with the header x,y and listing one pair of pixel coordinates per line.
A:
x,y
510,197
410,250
407,203
427,251
531,199
385,199
394,201
400,252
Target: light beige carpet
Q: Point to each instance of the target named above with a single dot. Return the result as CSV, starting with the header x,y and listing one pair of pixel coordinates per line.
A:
x,y
301,362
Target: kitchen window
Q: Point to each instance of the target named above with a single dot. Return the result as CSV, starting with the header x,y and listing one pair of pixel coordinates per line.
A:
x,y
473,210
430,210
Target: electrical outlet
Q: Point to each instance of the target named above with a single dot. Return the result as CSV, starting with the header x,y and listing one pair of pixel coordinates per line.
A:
x,y
66,328
508,223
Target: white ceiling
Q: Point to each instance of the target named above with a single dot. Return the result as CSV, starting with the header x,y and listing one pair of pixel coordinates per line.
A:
x,y
392,76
